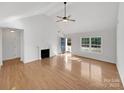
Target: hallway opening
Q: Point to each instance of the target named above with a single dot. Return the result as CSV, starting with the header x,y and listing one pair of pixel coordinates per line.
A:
x,y
12,44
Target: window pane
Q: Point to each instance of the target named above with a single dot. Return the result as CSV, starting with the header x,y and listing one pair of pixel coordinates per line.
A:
x,y
85,42
96,42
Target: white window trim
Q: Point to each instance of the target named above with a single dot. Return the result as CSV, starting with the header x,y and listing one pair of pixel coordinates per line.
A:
x,y
89,49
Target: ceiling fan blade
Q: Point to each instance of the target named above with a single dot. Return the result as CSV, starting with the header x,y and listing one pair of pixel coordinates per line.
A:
x,y
59,20
65,18
71,20
59,17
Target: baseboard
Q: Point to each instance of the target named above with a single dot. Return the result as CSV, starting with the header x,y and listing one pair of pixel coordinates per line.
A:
x,y
120,74
38,59
93,58
29,61
11,59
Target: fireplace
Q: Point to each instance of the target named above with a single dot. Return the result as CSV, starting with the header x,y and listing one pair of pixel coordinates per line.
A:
x,y
45,53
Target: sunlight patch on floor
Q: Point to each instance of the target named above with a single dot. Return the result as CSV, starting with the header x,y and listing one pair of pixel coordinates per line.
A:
x,y
13,88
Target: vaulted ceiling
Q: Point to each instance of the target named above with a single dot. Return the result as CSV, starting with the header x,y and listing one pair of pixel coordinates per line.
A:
x,y
16,10
89,16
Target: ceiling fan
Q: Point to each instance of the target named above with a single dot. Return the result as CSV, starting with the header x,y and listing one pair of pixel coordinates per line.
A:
x,y
65,18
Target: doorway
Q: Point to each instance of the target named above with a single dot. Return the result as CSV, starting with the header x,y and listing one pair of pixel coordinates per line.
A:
x,y
12,44
68,45
65,45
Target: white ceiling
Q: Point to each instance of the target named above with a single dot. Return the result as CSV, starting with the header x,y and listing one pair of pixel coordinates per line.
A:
x,y
15,10
89,16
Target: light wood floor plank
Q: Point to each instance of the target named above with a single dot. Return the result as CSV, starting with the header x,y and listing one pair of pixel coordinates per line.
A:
x,y
60,72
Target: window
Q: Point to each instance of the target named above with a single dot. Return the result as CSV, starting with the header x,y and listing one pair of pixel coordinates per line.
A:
x,y
92,44
85,42
96,44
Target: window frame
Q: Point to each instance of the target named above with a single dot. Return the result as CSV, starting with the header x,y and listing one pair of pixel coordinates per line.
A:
x,y
97,49
84,48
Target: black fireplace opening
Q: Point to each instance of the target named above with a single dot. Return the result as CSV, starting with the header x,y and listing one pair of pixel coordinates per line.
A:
x,y
45,53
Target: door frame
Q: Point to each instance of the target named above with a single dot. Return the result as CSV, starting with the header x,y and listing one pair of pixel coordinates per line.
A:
x,y
21,42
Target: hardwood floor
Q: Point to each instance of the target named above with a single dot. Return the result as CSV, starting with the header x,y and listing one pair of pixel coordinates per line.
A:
x,y
60,72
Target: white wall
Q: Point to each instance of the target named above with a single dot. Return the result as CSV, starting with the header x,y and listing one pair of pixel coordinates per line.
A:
x,y
120,42
108,52
40,32
0,47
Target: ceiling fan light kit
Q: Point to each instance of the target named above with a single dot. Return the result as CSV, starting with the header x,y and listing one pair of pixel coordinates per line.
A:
x,y
65,18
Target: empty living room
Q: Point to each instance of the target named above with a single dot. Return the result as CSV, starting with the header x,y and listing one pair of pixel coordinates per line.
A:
x,y
61,45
